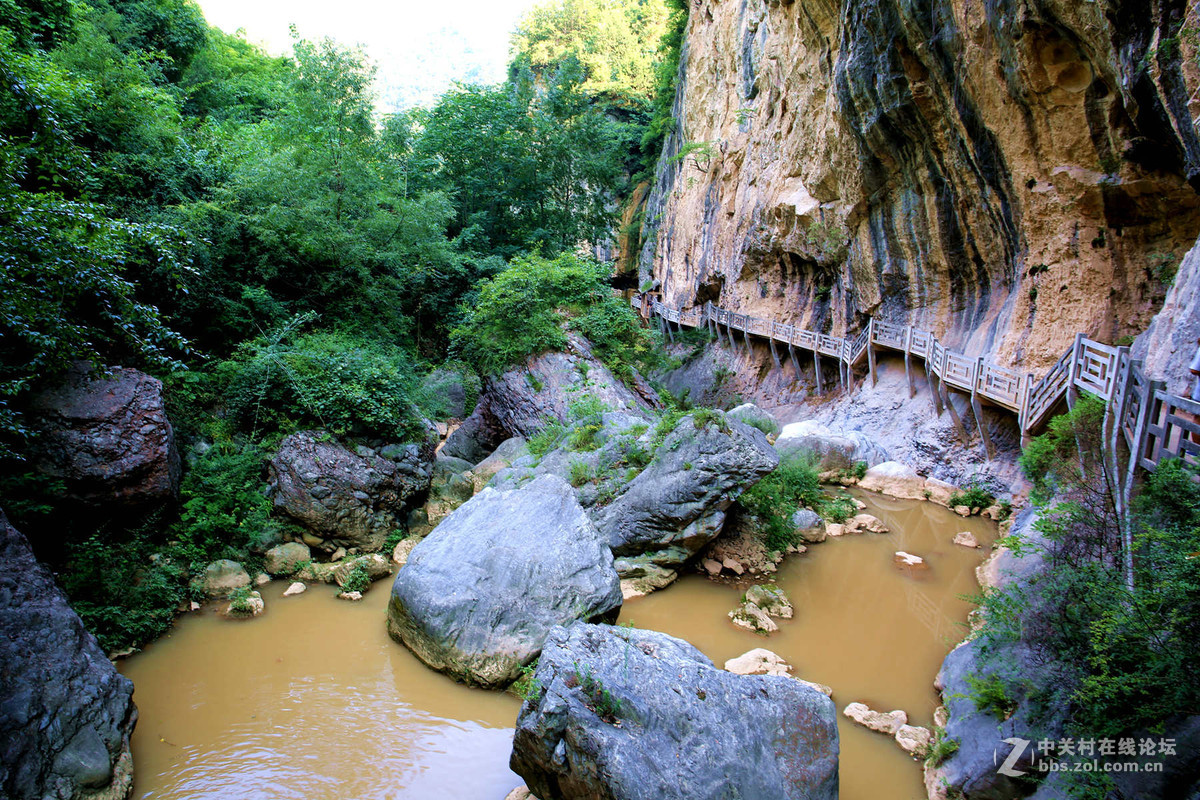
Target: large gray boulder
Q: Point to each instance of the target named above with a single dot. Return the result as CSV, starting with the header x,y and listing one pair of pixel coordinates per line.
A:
x,y
677,504
478,596
353,498
520,401
108,438
834,447
632,714
66,714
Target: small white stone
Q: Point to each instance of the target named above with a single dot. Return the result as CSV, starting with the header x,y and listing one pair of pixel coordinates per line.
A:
x,y
295,589
966,539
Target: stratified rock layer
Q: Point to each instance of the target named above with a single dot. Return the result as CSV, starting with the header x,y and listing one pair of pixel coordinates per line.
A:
x,y
632,714
66,715
974,169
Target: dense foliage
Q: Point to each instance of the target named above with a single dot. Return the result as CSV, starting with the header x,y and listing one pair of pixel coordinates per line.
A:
x,y
1112,651
529,308
250,229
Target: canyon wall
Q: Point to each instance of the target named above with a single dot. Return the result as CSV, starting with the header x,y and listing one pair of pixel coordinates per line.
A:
x,y
1004,173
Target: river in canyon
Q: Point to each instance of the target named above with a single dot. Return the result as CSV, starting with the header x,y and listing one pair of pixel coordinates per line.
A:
x,y
313,701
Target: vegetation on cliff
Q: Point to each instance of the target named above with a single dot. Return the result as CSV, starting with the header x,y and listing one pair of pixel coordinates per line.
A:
x,y
1110,653
249,228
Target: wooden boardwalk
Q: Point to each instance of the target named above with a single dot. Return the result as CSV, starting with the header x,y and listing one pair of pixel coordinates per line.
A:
x,y
1153,423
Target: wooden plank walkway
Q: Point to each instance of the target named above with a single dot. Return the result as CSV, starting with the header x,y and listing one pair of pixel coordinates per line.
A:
x,y
1154,424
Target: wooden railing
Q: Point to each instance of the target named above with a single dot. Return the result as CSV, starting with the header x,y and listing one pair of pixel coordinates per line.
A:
x,y
1154,424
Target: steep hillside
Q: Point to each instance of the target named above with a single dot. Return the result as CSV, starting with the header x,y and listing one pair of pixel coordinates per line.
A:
x,y
1003,173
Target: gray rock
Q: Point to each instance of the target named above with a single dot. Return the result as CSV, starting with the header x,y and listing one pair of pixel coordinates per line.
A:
x,y
108,438
677,504
1169,344
811,437
520,401
223,576
633,714
66,714
478,596
755,417
367,495
809,525
284,559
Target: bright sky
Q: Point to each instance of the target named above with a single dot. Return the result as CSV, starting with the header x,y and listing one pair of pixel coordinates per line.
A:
x,y
419,46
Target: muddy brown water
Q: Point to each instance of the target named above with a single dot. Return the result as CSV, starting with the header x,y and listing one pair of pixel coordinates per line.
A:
x,y
313,701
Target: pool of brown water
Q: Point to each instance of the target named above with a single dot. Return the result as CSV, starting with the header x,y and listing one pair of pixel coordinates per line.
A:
x,y
313,701
872,631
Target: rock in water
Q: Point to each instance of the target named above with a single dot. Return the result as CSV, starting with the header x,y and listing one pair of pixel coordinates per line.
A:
x,y
632,714
809,526
894,480
352,497
812,438
479,595
677,504
284,559
65,712
108,438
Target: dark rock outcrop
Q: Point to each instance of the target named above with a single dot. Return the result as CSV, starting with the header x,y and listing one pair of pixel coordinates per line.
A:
x,y
353,498
108,438
677,504
631,714
66,715
478,596
520,401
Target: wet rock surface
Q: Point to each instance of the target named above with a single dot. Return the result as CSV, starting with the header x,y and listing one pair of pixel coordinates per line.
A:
x,y
351,497
65,713
108,438
623,713
478,596
677,504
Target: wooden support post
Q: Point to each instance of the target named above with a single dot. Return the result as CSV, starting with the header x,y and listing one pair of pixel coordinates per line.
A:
x,y
670,336
817,365
977,409
962,431
795,361
933,391
732,341
912,388
749,345
871,351
774,353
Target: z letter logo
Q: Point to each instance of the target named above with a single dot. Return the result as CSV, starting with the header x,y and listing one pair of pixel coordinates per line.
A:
x,y
1018,750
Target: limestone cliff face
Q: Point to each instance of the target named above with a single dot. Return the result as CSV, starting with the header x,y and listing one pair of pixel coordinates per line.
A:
x,y
1002,172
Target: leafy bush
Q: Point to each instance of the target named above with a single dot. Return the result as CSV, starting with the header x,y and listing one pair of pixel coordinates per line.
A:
x,y
224,510
125,590
775,498
990,696
526,686
358,579
768,426
328,380
239,600
940,748
583,437
546,439
527,309
1111,623
838,509
581,473
974,496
